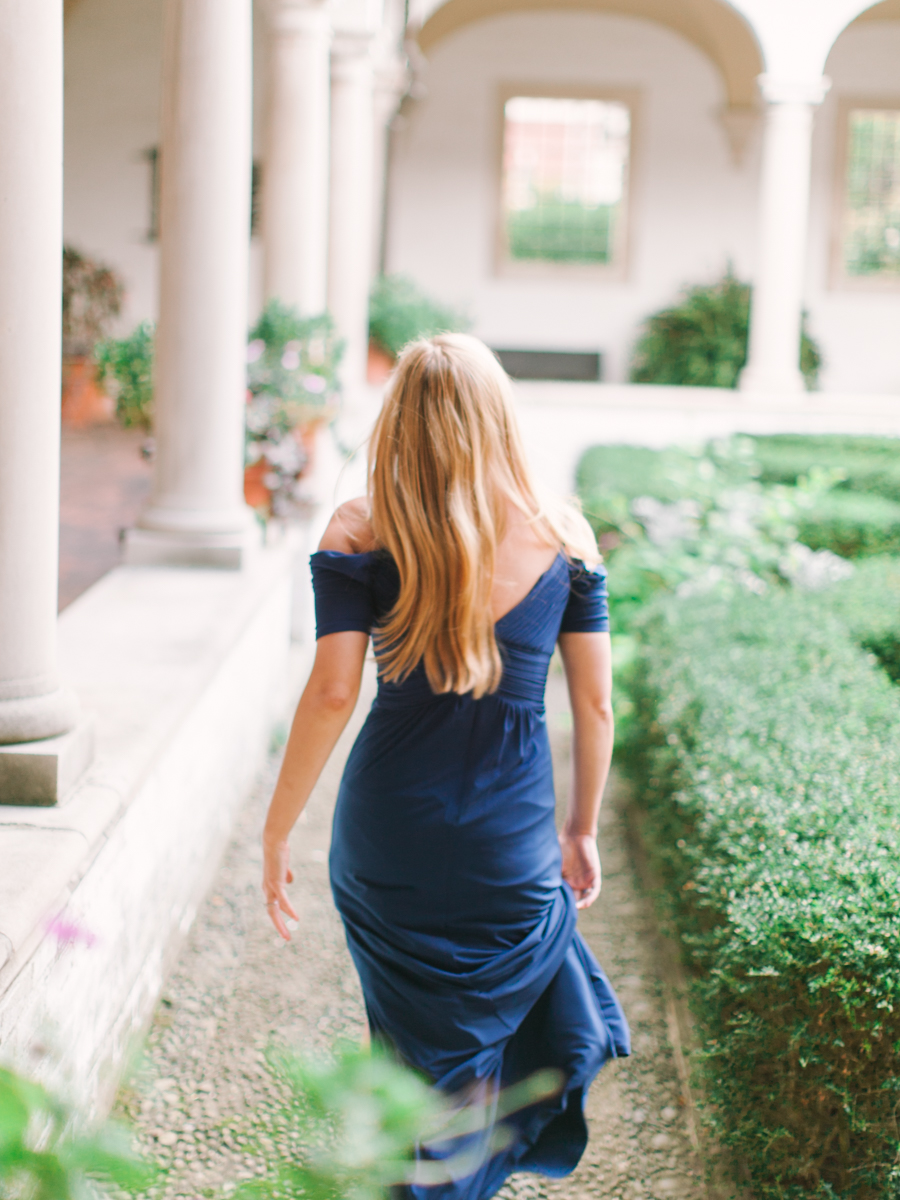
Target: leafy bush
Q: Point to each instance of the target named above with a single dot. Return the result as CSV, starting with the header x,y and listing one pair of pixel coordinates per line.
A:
x,y
867,464
399,312
851,524
765,753
42,1158
125,367
91,298
702,340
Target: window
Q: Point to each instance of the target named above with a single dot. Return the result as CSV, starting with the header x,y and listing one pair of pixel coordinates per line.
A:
x,y
565,179
870,210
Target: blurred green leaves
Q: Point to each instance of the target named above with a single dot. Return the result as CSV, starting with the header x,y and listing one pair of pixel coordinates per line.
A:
x,y
43,1156
362,1116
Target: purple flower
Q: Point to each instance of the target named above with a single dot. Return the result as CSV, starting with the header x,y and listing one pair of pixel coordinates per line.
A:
x,y
70,933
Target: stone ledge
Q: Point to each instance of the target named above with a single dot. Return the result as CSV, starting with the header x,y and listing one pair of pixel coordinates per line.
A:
x,y
186,673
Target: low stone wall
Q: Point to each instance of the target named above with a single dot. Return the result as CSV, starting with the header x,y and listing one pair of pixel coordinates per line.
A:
x,y
186,673
560,420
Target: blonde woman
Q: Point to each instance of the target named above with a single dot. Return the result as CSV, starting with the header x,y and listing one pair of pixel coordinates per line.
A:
x,y
457,895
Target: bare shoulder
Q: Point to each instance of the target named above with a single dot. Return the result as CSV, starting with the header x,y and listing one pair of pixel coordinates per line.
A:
x,y
350,529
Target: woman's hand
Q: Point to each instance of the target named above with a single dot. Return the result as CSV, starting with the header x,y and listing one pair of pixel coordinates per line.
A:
x,y
277,873
581,866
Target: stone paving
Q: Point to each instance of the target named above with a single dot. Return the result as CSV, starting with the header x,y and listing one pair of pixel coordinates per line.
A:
x,y
202,1099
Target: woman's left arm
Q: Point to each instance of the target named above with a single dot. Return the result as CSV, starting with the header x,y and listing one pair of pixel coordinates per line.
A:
x,y
587,660
325,708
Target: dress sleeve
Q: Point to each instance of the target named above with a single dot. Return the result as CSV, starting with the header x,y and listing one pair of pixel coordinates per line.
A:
x,y
587,610
342,592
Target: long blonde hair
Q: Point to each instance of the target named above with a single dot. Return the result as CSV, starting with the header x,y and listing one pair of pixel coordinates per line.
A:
x,y
444,461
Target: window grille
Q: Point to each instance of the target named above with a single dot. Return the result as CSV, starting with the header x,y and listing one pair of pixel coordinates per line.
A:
x,y
871,220
565,174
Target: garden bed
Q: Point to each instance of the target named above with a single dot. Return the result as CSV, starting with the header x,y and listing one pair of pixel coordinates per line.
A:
x,y
764,745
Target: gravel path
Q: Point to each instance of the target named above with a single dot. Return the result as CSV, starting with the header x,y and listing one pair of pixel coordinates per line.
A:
x,y
204,1103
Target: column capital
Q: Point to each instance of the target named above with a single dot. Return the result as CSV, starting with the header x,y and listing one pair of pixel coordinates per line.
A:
x,y
778,90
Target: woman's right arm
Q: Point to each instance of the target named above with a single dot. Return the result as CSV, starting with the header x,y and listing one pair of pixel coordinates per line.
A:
x,y
325,708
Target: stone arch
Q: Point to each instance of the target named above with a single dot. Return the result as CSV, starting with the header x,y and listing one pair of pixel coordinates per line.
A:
x,y
713,26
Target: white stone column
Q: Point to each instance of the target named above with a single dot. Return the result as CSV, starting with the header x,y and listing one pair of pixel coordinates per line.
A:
x,y
31,702
295,175
773,363
197,513
352,207
391,82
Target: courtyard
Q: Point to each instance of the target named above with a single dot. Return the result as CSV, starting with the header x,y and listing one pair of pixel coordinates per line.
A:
x,y
677,226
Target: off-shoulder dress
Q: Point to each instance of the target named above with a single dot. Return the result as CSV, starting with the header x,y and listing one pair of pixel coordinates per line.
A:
x,y
445,867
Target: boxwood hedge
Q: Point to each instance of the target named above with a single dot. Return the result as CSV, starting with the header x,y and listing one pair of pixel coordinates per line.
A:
x,y
871,464
765,754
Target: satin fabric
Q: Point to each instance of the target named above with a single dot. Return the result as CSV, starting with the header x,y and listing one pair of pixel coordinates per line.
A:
x,y
445,868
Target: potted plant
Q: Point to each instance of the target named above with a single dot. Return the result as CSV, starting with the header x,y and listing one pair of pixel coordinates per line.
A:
x,y
292,390
91,299
125,368
399,312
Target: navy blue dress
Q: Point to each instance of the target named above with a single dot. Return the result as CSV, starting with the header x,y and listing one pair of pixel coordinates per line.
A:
x,y
445,867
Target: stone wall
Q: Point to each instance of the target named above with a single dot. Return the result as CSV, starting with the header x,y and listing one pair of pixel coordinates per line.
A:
x,y
186,674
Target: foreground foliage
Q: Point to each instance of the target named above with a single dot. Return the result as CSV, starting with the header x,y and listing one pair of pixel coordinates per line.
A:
x,y
361,1116
41,1158
765,753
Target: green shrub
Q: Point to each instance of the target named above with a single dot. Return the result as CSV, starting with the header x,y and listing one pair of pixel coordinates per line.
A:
x,y
702,340
765,754
869,464
630,471
399,313
125,366
851,524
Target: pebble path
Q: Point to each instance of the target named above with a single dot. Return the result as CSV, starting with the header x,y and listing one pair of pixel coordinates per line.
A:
x,y
205,1106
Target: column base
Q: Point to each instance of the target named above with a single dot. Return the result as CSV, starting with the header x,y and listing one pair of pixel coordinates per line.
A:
x,y
31,718
786,383
156,548
43,772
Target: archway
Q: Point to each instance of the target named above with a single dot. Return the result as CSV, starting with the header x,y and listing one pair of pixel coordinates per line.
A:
x,y
713,27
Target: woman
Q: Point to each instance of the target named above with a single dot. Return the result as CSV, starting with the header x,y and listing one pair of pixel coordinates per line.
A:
x,y
458,898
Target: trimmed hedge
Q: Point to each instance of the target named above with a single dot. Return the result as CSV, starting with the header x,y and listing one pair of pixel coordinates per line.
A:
x,y
765,750
629,471
872,464
852,524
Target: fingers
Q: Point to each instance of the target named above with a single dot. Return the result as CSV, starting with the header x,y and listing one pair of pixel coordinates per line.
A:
x,y
277,905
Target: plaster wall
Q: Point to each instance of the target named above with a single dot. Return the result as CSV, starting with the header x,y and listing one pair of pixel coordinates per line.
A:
x,y
692,208
113,62
857,329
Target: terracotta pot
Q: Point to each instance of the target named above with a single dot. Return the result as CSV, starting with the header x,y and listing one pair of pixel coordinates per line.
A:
x,y
256,494
84,401
380,364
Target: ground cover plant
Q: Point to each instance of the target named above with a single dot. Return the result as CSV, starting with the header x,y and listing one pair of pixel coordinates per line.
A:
x,y
765,750
701,341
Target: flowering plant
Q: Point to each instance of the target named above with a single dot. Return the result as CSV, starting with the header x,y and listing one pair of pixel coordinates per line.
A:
x,y
292,385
